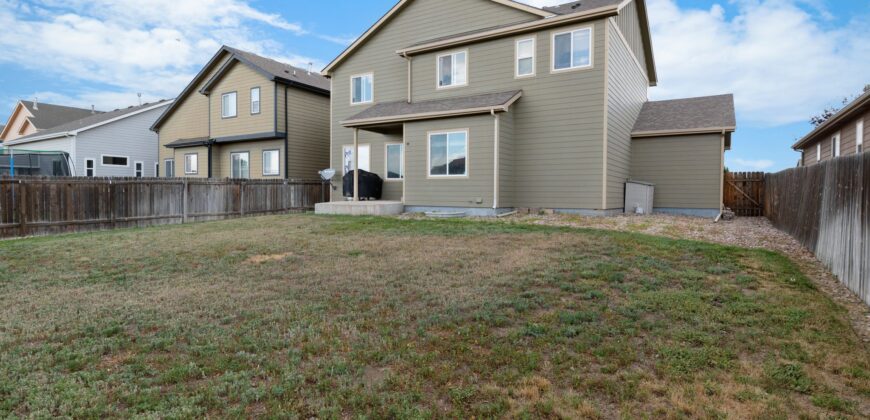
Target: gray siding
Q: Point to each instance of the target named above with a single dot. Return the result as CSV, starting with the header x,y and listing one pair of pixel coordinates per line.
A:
x,y
506,159
129,137
687,170
559,121
628,22
422,190
626,94
421,20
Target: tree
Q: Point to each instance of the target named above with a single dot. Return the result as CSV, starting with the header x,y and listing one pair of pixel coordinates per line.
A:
x,y
829,112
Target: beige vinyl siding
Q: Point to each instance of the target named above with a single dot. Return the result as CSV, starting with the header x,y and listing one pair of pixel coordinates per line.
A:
x,y
421,20
506,156
628,22
222,165
686,170
558,123
308,132
626,94
17,122
422,190
240,79
178,155
189,120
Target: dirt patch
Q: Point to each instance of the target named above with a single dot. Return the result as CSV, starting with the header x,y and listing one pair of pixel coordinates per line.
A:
x,y
746,232
111,362
260,259
373,377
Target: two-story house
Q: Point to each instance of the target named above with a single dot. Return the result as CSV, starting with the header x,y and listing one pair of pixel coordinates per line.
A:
x,y
483,106
841,135
249,117
30,117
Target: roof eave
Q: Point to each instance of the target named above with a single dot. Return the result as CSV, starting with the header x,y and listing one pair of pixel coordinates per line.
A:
x,y
683,132
598,13
838,117
646,38
432,115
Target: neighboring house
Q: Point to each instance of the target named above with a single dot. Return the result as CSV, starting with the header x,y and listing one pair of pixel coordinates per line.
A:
x,y
111,144
31,117
842,134
246,116
484,106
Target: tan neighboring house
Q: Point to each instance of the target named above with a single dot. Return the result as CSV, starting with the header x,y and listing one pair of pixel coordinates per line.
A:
x,y
247,116
30,117
841,135
485,106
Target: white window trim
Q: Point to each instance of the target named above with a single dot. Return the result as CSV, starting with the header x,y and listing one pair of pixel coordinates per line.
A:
x,y
438,70
859,135
534,58
387,159
553,36
240,152
167,163
191,171
429,154
370,74
836,150
278,169
819,152
361,145
102,157
93,166
139,162
235,111
259,101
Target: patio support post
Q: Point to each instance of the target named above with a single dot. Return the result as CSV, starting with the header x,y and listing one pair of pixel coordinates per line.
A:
x,y
356,164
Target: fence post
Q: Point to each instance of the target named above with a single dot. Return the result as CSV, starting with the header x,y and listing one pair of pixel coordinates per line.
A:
x,y
184,201
22,212
112,209
242,198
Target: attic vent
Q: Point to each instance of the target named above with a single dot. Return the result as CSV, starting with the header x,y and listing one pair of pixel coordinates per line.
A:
x,y
576,5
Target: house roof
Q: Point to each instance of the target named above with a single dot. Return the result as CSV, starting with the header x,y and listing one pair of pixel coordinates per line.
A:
x,y
686,116
194,142
858,105
400,111
580,6
401,5
274,70
90,122
49,115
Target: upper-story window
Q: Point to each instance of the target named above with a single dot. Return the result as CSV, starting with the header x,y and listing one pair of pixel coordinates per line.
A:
x,y
819,152
835,145
453,69
859,136
526,57
255,101
572,49
362,89
228,105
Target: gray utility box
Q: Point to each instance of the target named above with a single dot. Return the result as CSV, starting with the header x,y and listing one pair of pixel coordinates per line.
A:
x,y
639,197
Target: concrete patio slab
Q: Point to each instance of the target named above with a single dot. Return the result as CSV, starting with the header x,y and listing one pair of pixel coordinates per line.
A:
x,y
361,208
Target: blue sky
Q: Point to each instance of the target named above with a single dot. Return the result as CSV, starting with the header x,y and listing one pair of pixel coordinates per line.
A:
x,y
783,59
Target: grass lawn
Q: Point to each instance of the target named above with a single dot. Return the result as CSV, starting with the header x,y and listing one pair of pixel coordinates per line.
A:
x,y
303,316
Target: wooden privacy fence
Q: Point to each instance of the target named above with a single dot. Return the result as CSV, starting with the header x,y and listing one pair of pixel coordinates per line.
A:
x,y
744,193
827,208
46,206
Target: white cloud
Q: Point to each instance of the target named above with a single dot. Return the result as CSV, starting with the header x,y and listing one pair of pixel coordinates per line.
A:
x,y
746,165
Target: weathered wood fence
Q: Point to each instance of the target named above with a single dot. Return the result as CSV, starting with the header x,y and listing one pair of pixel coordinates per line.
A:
x,y
744,193
46,206
827,208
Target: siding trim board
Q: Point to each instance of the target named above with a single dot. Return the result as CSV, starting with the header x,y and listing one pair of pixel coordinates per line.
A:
x,y
248,137
628,45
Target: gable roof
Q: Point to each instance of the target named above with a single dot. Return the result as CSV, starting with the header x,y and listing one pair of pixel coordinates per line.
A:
x,y
401,5
709,114
400,111
49,115
858,105
275,71
90,122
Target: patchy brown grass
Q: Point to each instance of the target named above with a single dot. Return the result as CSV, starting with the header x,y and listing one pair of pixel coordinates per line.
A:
x,y
340,317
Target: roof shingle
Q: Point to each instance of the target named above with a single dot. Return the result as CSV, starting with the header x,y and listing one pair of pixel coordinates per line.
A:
x,y
48,115
708,113
580,6
88,121
402,109
283,71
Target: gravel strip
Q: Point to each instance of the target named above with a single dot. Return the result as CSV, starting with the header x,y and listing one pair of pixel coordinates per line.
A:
x,y
751,232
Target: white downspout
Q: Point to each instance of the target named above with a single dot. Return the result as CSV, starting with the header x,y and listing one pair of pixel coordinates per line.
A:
x,y
495,161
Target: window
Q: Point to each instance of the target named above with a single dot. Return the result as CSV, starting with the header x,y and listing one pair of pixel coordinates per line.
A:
x,y
819,152
448,154
255,101
572,50
271,163
362,89
526,57
859,137
89,168
191,164
170,168
453,69
139,169
241,165
364,158
228,105
395,161
835,145
116,161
